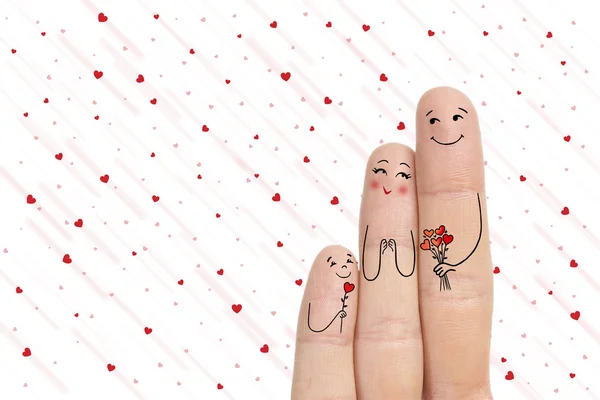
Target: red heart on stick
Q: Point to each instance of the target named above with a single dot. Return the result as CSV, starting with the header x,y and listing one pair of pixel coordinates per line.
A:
x,y
348,287
440,230
437,241
425,245
448,239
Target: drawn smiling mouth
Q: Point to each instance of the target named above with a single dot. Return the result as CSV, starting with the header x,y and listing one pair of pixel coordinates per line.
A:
x,y
386,191
344,277
447,144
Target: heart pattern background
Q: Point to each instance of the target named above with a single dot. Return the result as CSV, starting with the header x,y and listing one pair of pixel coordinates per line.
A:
x,y
168,174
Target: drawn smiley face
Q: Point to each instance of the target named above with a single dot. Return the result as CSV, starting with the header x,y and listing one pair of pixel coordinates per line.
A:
x,y
456,118
388,174
341,270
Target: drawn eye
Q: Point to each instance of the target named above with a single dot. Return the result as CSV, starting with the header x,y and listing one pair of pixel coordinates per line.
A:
x,y
332,264
432,120
456,117
402,174
378,170
349,261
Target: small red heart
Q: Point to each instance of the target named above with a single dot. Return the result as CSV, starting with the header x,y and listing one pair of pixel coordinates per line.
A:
x,y
46,100
430,32
133,253
256,175
219,386
220,272
440,230
383,78
264,349
43,33
509,376
448,239
239,36
550,293
563,62
78,223
565,211
199,176
273,24
503,359
567,138
277,197
110,367
19,290
140,79
306,159
335,201
522,178
299,282
485,33
180,282
286,76
428,232
153,101
348,287
156,16
574,264
26,114
328,25
366,27
401,126
104,178
572,375
312,129
205,128
575,315
98,74
76,314
192,51
236,308
148,330
13,51
549,35
518,92
496,270
152,155
327,100
67,259
279,244
227,81
437,241
425,245
26,352
218,215
102,17
155,198
30,199
97,117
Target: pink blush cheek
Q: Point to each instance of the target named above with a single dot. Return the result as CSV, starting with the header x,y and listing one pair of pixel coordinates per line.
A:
x,y
403,190
374,184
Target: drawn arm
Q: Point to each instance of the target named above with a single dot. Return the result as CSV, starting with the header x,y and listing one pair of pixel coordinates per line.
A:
x,y
363,257
414,256
478,239
328,325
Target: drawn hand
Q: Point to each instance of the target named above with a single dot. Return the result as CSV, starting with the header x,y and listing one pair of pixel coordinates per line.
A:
x,y
383,245
342,314
442,269
392,244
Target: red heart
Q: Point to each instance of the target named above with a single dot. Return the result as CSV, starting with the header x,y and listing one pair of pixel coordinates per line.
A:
x,y
155,198
78,223
503,359
239,36
26,352
26,114
13,51
348,287
148,330
327,100
572,375
98,74
401,126
180,282
255,137
199,176
437,241
76,314
218,215
219,386
335,201
256,175
565,211
425,245
273,24
19,290
574,264
509,376
306,159
67,259
485,33
102,17
567,138
140,79
133,253
383,78
220,272
30,199
97,117
563,62
299,282
440,230
328,25
522,178
428,232
156,16
46,100
496,270
430,32
550,293
236,308
192,51
366,27
227,81
153,101
286,76
110,367
575,315
448,239
518,92
277,197
279,244
549,35
312,129
104,178
204,128
264,349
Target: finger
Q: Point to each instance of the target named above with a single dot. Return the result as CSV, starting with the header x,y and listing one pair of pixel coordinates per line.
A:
x,y
387,343
324,365
456,307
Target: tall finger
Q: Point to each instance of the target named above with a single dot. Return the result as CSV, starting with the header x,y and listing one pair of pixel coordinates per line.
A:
x,y
324,362
455,280
387,343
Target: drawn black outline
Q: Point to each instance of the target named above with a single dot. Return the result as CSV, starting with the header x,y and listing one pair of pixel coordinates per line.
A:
x,y
381,253
438,267
344,305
